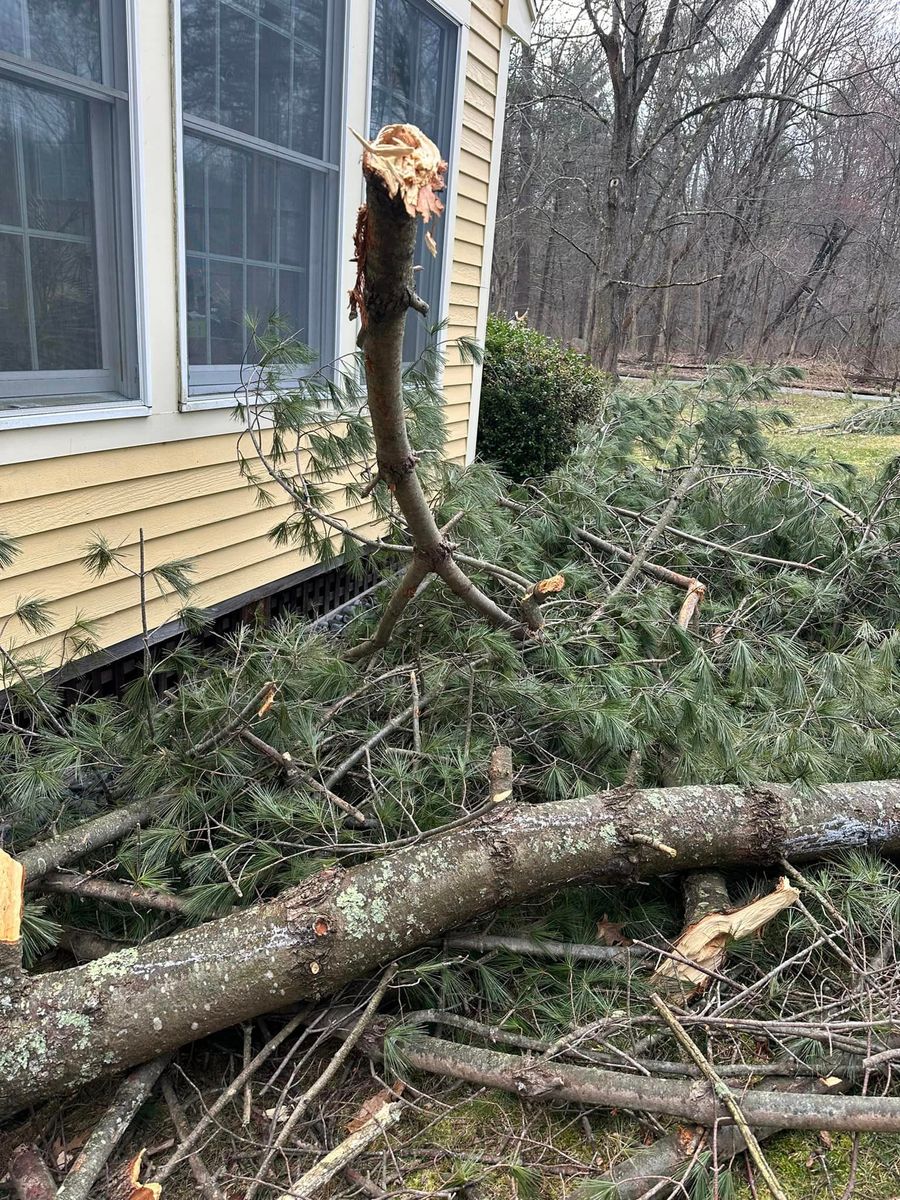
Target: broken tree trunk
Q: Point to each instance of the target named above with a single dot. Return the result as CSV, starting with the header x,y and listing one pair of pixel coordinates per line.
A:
x,y
403,170
71,1026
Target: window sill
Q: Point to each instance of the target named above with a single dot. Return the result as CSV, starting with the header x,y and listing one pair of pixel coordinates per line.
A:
x,y
63,413
204,403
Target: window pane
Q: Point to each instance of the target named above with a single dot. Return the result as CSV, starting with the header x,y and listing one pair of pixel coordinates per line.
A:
x,y
65,34
10,212
309,21
57,156
12,27
225,189
67,311
237,70
273,277
308,104
45,138
412,80
276,11
294,215
261,208
262,302
197,323
63,282
15,348
274,86
194,194
429,85
198,58
292,306
228,335
257,68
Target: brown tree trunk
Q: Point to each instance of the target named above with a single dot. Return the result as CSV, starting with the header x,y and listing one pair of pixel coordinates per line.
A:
x,y
67,1028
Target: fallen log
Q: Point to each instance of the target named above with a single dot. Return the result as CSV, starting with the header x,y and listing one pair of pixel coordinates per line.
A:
x,y
63,1029
692,1100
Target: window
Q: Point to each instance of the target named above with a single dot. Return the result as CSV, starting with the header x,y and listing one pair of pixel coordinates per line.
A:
x,y
260,84
67,310
413,80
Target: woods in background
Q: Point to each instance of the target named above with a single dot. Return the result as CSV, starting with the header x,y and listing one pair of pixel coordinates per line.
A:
x,y
704,181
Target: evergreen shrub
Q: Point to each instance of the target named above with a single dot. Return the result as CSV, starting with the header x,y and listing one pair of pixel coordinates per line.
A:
x,y
534,396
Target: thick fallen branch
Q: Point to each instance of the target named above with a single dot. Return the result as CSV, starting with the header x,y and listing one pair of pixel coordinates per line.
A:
x,y
693,1101
81,839
487,943
72,884
340,925
403,170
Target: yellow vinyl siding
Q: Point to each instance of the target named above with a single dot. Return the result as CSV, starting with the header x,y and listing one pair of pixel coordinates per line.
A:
x,y
187,495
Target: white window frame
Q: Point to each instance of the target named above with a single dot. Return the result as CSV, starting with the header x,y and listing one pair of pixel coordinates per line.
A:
x,y
125,302
189,401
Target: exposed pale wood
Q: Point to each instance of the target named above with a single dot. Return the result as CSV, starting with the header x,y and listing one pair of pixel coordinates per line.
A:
x,y
705,941
12,891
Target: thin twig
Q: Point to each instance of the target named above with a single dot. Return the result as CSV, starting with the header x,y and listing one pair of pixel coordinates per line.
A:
x,y
723,1092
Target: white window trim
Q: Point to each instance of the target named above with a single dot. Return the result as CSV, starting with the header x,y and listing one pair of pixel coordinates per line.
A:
x,y
123,407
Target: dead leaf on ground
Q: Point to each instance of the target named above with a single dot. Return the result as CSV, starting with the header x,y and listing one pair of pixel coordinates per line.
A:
x,y
609,933
374,1105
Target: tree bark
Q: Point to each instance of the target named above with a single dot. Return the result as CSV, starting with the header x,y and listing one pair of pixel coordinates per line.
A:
x,y
72,1026
693,1100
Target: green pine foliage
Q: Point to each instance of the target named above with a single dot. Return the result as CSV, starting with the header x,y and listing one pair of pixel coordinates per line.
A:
x,y
792,675
534,397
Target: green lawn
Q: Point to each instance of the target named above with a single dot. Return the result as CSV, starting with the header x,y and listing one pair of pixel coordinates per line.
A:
x,y
866,451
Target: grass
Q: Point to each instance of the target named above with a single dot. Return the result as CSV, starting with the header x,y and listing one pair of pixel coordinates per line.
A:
x,y
868,452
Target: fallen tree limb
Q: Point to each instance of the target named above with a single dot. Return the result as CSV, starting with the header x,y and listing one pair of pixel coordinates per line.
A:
x,y
73,884
339,925
83,838
130,1095
694,1101
345,1152
485,943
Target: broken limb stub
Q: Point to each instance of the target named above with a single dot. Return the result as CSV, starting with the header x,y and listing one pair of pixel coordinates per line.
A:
x,y
12,892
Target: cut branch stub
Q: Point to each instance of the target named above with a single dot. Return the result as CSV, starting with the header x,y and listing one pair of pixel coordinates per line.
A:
x,y
12,892
535,597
